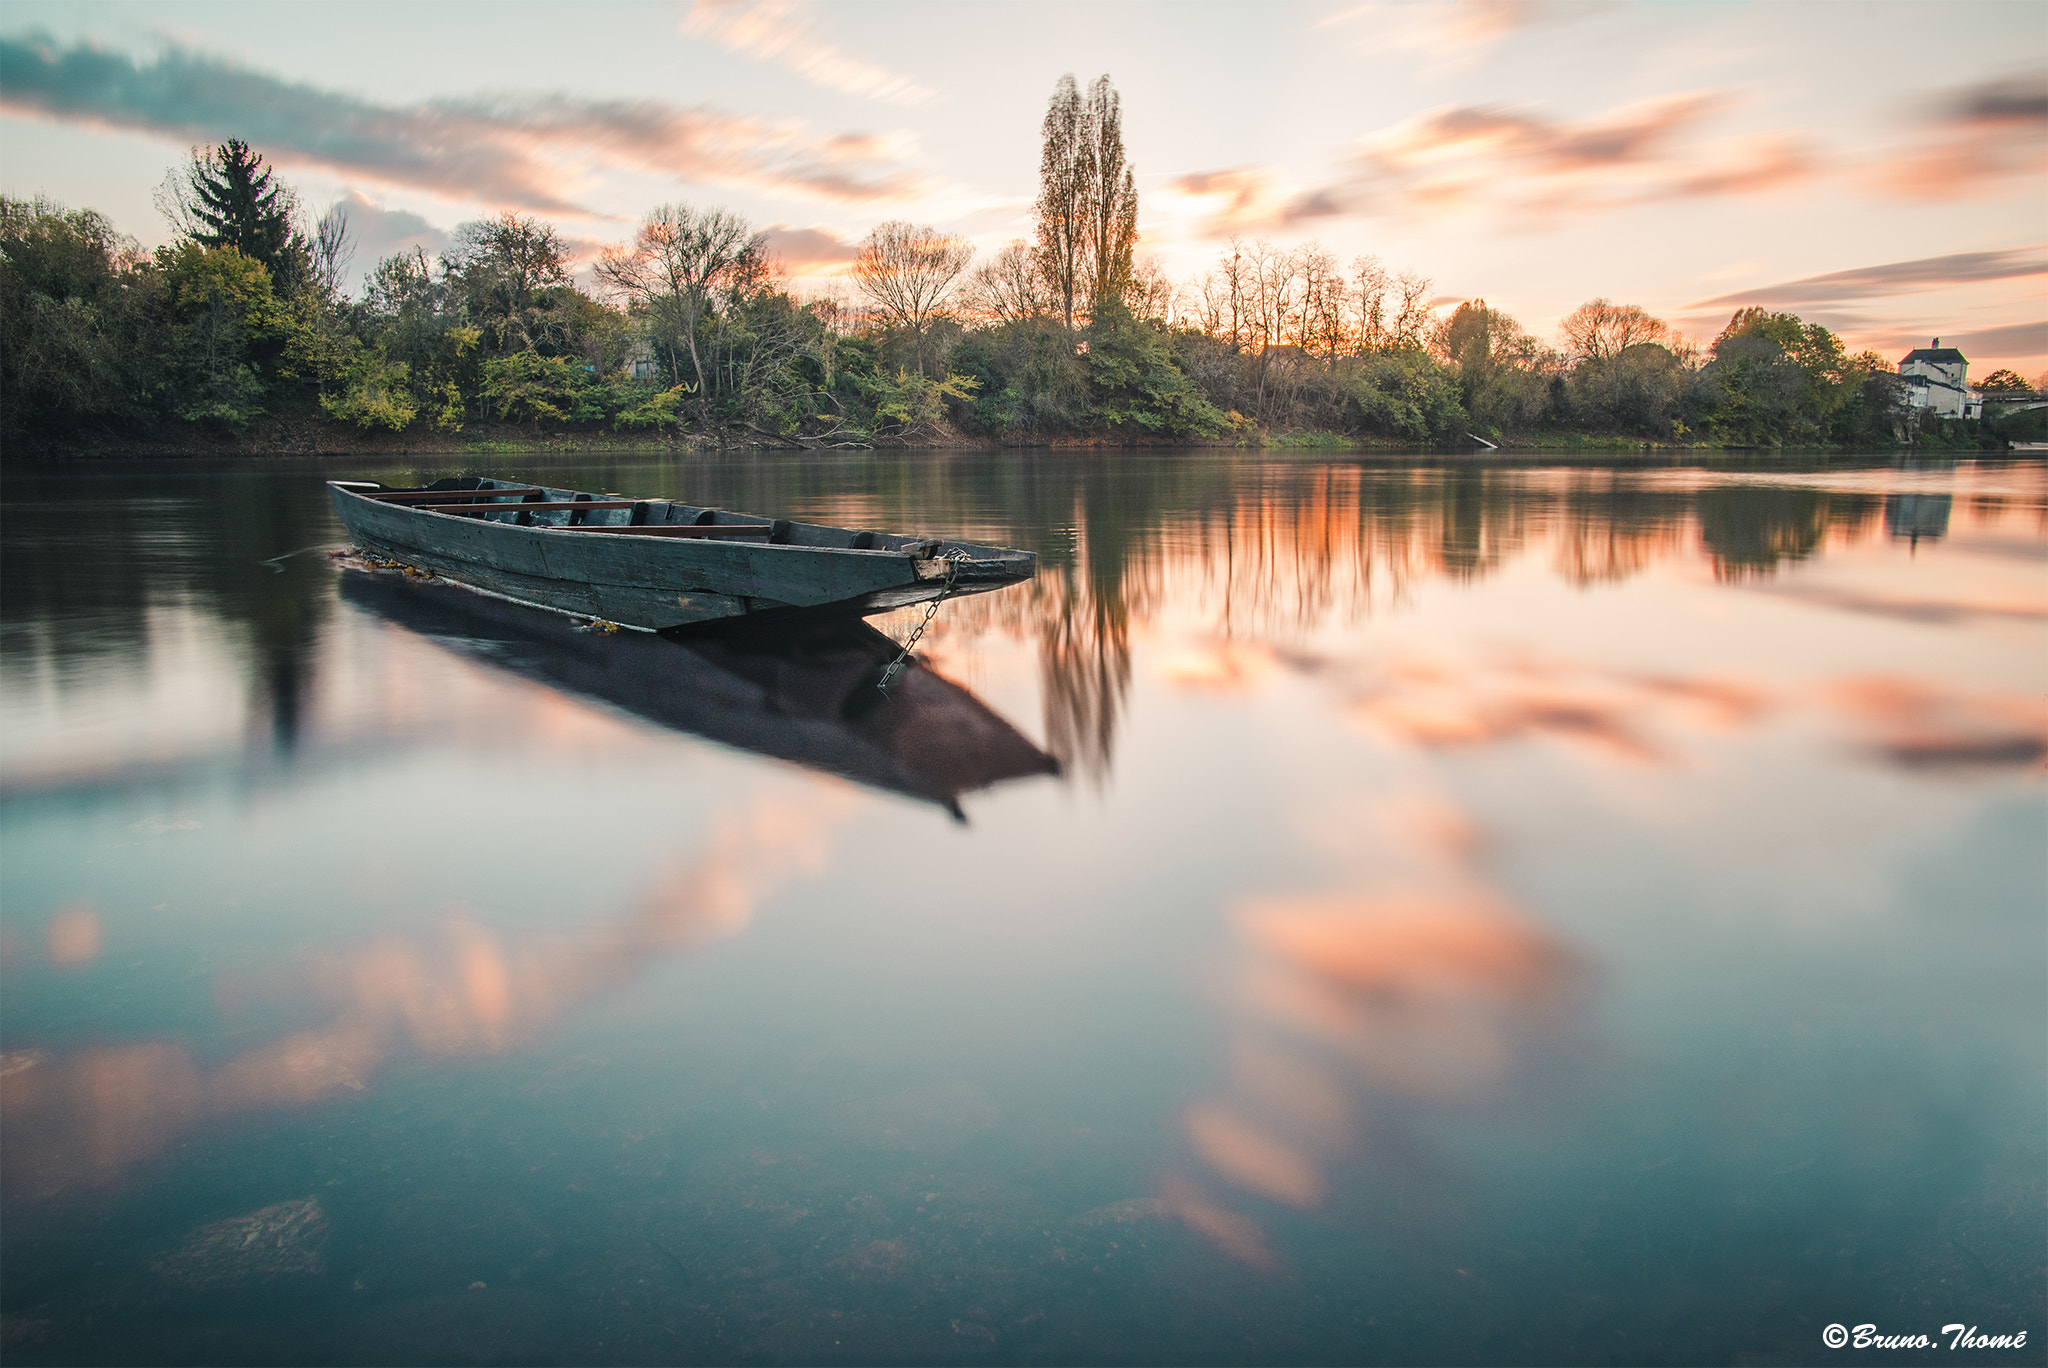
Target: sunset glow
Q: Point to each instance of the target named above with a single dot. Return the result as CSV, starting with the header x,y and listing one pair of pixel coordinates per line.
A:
x,y
1874,168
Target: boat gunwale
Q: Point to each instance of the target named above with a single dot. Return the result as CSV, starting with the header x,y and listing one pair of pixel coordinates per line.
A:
x,y
996,556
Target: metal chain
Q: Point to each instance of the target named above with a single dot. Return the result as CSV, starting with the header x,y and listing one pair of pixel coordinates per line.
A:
x,y
931,610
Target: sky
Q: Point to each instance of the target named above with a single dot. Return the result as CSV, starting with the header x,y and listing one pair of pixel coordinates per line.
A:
x,y
1881,169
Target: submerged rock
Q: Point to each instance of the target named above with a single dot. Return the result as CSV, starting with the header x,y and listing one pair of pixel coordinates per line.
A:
x,y
1130,1211
278,1241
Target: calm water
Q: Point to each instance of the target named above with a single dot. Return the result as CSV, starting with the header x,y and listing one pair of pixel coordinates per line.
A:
x,y
1482,915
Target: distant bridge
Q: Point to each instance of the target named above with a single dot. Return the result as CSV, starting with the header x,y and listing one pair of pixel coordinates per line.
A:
x,y
2014,401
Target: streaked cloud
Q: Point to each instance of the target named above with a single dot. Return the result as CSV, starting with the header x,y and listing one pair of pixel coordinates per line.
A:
x,y
1246,200
804,248
1457,33
1533,169
2011,343
1978,138
510,152
1898,277
2013,339
783,32
1478,155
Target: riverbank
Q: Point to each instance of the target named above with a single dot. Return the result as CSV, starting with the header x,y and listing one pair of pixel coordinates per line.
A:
x,y
304,435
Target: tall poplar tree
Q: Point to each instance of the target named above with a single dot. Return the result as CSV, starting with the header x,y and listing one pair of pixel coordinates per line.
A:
x,y
1063,179
1087,199
1112,197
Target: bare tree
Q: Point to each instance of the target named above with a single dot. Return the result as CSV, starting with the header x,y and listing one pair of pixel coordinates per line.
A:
x,y
907,270
1369,285
1411,319
1151,293
334,248
1009,287
680,258
1319,324
1600,329
1232,292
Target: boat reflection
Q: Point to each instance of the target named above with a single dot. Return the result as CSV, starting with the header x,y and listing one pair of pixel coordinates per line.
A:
x,y
803,689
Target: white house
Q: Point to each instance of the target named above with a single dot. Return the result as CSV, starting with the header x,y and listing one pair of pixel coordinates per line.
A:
x,y
1938,378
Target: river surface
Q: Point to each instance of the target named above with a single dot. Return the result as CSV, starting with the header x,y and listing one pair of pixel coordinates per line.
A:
x,y
1482,914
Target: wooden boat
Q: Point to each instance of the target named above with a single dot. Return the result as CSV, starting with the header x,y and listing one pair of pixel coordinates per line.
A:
x,y
651,564
798,687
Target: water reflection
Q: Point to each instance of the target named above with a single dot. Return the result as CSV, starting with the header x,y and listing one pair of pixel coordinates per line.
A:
x,y
1476,875
461,989
805,690
1289,550
84,567
1260,551
1909,517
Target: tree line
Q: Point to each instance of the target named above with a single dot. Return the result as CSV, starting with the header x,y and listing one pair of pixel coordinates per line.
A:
x,y
691,327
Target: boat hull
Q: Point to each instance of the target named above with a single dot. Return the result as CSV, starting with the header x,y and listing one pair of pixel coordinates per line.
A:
x,y
635,575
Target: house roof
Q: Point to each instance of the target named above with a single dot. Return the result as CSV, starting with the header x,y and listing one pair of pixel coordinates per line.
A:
x,y
1941,356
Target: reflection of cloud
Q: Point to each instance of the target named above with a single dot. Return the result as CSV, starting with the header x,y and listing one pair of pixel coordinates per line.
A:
x,y
1916,726
1218,666
74,936
505,151
1249,1157
470,990
1406,948
89,1116
1899,277
1355,1006
782,32
1979,136
1588,712
1236,1234
1936,612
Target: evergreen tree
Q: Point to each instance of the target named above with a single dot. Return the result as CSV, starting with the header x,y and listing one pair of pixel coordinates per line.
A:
x,y
227,197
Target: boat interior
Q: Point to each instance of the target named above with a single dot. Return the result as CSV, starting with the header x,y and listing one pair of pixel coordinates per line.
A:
x,y
528,505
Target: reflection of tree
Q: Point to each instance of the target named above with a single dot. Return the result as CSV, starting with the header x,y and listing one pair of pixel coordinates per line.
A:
x,y
1483,519
1263,549
256,515
1749,530
1609,532
1084,667
83,564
